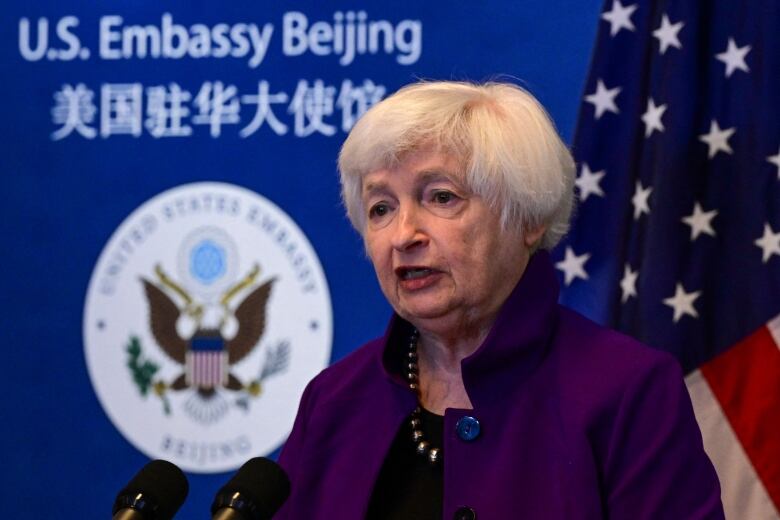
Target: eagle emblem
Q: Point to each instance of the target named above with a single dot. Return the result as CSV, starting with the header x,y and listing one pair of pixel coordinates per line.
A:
x,y
206,339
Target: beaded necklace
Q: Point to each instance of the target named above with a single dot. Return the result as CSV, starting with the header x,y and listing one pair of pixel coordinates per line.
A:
x,y
422,446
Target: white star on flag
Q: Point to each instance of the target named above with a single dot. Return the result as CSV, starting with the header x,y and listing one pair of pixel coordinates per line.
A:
x,y
588,182
628,283
775,159
717,139
667,34
604,99
682,302
652,117
734,57
700,221
640,200
619,17
769,243
573,266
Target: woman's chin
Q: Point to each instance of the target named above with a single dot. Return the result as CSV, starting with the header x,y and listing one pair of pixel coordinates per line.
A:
x,y
422,313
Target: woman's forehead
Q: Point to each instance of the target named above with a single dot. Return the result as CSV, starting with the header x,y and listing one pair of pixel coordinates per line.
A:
x,y
424,164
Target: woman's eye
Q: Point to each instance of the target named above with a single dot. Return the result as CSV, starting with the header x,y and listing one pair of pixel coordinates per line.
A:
x,y
378,210
443,197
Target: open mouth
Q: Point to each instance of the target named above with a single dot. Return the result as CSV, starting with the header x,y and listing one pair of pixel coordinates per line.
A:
x,y
412,273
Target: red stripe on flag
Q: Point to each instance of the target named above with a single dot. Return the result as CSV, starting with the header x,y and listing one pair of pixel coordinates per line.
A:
x,y
746,381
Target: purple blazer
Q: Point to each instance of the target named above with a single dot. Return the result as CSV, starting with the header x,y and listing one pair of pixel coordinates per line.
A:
x,y
576,421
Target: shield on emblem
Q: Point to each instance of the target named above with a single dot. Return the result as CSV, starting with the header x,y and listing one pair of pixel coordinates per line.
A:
x,y
206,362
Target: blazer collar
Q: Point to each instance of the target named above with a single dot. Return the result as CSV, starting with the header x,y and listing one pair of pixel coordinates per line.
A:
x,y
514,346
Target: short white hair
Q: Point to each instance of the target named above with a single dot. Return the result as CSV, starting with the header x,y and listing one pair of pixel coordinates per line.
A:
x,y
501,135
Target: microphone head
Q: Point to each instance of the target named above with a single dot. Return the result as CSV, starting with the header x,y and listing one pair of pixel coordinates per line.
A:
x,y
157,491
257,490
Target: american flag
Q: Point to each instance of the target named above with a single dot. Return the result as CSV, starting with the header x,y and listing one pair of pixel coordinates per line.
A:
x,y
676,240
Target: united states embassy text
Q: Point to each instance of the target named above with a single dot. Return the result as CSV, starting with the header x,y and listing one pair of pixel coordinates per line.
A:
x,y
345,36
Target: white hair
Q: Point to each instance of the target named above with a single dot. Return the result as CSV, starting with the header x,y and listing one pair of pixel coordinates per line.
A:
x,y
505,142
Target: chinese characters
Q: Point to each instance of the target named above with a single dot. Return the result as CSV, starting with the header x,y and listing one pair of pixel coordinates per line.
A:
x,y
171,111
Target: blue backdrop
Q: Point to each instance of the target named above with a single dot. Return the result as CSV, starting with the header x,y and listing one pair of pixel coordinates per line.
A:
x,y
84,146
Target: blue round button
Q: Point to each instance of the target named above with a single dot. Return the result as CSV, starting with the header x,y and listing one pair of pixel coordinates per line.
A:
x,y
468,428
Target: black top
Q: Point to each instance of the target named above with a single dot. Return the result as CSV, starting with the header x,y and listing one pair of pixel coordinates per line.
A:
x,y
409,487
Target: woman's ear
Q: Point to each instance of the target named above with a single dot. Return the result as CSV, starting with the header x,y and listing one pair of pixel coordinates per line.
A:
x,y
532,235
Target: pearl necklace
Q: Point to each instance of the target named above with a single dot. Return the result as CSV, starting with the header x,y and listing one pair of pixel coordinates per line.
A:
x,y
422,446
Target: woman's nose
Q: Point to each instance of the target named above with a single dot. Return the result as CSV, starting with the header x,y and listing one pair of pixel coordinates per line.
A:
x,y
408,232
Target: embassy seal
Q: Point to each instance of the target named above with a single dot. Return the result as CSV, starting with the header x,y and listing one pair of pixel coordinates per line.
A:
x,y
207,314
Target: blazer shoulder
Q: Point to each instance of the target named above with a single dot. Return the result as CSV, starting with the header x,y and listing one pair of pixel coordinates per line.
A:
x,y
600,365
598,346
360,368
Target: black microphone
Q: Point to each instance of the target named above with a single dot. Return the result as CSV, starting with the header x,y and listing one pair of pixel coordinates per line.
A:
x,y
155,493
255,492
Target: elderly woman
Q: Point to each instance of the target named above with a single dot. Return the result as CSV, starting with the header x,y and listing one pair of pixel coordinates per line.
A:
x,y
484,398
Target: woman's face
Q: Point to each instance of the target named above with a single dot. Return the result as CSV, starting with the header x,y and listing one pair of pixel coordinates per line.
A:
x,y
439,252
